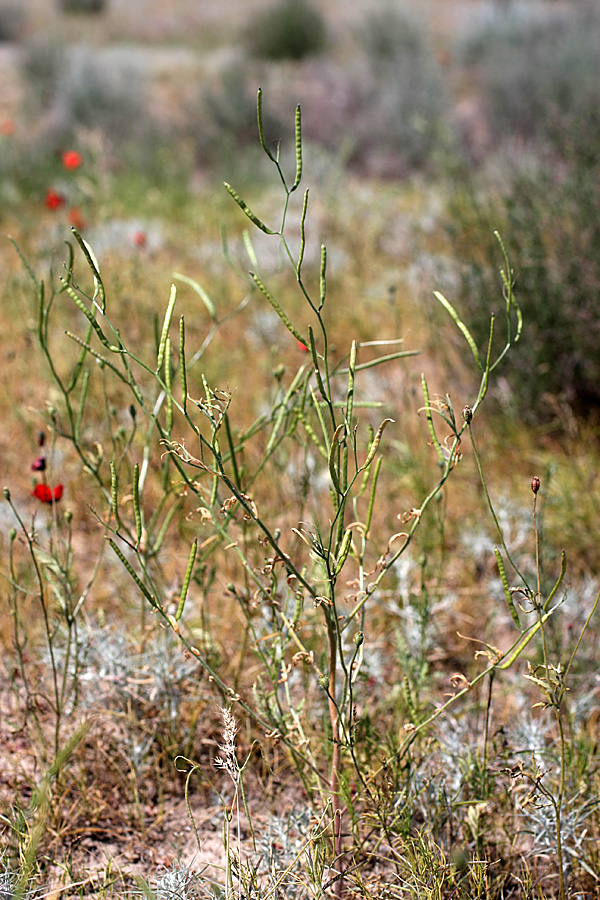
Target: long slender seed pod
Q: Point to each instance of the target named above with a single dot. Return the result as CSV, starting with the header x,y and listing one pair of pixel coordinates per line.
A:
x,y
165,328
332,454
186,580
563,569
322,276
169,422
343,552
182,365
378,464
82,399
350,394
89,316
313,352
137,511
101,359
430,425
302,236
505,585
114,494
247,211
376,440
93,264
151,600
291,328
298,149
259,118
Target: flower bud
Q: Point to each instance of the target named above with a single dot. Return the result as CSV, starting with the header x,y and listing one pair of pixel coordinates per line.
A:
x,y
467,414
359,638
6,493
535,484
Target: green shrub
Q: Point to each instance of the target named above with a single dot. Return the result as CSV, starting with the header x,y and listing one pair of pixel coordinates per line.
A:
x,y
83,6
292,29
224,122
551,219
12,19
404,106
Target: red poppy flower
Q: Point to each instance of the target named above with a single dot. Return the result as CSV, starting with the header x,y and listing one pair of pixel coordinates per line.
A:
x,y
139,238
7,126
53,199
45,494
302,346
71,159
39,464
76,219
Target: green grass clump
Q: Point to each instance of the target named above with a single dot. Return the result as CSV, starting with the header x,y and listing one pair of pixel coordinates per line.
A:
x,y
291,29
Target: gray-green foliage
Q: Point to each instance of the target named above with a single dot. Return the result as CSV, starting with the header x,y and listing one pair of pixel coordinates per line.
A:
x,y
538,73
287,29
549,213
405,105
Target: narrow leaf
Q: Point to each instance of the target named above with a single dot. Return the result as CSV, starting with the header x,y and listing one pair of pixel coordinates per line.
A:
x,y
210,307
291,328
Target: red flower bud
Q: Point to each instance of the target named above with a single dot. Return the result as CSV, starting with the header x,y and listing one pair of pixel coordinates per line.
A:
x,y
535,484
39,464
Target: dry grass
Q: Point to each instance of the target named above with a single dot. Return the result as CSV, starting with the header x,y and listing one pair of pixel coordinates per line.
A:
x,y
455,804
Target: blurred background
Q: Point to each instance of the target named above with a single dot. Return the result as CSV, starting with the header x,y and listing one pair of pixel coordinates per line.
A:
x,y
471,115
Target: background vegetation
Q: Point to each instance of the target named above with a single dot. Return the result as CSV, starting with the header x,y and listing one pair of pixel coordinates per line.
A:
x,y
282,536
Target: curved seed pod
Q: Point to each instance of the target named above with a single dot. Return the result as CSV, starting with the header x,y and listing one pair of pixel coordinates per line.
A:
x,y
93,264
302,235
332,451
563,569
247,211
376,442
165,328
89,316
344,551
151,600
278,309
187,579
259,119
434,438
505,585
